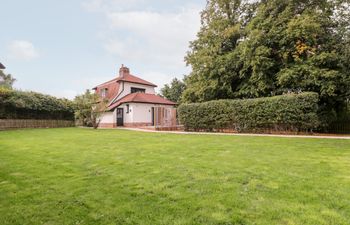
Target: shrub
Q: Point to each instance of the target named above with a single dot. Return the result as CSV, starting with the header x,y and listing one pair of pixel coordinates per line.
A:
x,y
32,105
88,109
287,112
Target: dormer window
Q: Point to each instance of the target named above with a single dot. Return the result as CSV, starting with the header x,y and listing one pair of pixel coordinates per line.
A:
x,y
137,90
104,92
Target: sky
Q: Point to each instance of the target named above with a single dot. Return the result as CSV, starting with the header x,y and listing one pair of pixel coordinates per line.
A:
x,y
64,47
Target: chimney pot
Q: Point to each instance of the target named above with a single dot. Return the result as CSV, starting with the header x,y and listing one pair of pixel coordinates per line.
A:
x,y
123,71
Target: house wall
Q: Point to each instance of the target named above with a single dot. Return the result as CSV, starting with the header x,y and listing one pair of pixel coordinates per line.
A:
x,y
128,117
127,89
140,114
107,120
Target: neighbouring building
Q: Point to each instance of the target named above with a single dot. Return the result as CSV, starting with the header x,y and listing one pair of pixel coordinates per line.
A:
x,y
2,67
132,102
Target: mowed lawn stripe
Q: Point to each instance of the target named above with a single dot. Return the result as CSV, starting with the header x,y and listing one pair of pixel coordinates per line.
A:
x,y
83,176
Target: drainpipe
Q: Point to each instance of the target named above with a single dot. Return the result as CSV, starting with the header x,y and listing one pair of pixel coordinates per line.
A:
x,y
116,117
118,94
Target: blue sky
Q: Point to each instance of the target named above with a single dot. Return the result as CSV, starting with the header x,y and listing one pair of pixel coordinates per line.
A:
x,y
64,47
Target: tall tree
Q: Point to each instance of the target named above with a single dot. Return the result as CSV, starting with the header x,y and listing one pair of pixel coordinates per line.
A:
x,y
6,80
270,47
291,46
222,29
174,90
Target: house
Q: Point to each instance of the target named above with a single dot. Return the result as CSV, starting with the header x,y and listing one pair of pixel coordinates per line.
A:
x,y
2,67
132,101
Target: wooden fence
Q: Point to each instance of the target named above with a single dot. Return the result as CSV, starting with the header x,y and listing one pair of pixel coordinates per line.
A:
x,y
164,117
18,123
339,127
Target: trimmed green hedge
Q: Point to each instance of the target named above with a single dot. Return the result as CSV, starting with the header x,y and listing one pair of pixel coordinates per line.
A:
x,y
31,105
296,112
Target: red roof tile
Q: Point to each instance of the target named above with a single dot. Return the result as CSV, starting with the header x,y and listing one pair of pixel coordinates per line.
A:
x,y
113,85
107,82
141,98
133,79
128,78
113,89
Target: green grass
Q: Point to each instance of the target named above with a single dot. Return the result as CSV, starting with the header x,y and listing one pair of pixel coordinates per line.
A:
x,y
83,176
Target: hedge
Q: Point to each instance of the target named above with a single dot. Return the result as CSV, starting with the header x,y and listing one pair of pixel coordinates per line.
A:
x,y
295,112
31,105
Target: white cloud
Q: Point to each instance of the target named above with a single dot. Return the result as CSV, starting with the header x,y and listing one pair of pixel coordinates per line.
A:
x,y
24,50
142,35
152,36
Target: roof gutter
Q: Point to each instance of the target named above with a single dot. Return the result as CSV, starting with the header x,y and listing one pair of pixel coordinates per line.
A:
x,y
155,103
132,82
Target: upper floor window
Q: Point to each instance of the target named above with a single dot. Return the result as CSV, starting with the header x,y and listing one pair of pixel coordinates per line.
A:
x,y
135,90
104,92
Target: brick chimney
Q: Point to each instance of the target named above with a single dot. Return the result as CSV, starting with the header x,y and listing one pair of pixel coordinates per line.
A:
x,y
123,71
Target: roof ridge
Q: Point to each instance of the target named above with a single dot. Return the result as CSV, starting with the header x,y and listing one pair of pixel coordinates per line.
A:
x,y
137,80
114,79
142,81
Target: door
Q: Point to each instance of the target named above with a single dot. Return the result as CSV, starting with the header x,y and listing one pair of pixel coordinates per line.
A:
x,y
120,117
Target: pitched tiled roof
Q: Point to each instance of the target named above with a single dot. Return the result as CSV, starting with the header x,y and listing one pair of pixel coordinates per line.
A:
x,y
2,66
112,86
141,98
128,78
107,82
133,79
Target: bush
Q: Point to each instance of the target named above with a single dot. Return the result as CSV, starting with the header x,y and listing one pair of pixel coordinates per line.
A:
x,y
32,105
295,112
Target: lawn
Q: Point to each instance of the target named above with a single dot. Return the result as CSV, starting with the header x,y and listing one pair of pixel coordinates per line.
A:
x,y
83,176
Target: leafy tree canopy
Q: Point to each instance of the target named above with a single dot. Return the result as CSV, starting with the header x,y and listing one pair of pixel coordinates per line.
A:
x,y
173,91
88,109
6,80
248,49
